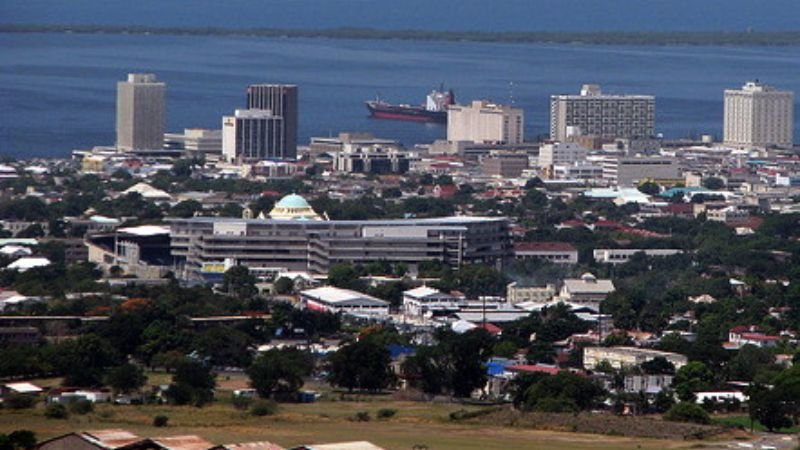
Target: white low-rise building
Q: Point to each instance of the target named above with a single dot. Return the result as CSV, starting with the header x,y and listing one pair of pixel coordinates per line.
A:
x,y
422,300
620,357
622,255
586,290
554,252
337,300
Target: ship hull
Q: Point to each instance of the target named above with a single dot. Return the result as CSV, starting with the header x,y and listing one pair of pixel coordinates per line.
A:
x,y
405,113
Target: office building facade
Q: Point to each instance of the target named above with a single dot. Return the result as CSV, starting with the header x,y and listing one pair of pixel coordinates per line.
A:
x,y
485,122
140,113
201,243
593,113
252,135
281,100
758,115
630,171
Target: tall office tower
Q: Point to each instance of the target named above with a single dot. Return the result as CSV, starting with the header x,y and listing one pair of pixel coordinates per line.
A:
x,y
485,122
758,116
140,113
252,135
593,113
281,99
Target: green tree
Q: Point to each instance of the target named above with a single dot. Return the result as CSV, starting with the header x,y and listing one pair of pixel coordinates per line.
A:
x,y
279,372
694,376
456,364
240,282
649,188
186,208
687,412
126,378
563,392
224,346
193,383
362,365
83,361
284,286
713,183
658,366
748,361
344,276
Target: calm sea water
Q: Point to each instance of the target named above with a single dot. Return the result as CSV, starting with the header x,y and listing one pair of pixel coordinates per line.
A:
x,y
57,91
579,15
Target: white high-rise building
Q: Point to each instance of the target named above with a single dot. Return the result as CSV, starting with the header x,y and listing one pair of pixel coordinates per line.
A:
x,y
486,123
593,113
758,115
140,113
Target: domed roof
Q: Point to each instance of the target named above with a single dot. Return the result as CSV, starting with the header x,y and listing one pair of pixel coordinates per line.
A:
x,y
292,201
293,207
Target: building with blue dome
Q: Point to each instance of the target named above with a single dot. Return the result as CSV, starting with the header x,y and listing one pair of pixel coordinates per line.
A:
x,y
293,207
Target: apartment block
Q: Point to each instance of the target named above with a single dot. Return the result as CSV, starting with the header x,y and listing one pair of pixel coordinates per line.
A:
x,y
593,113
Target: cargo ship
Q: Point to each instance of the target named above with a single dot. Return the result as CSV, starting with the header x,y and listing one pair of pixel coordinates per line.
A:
x,y
434,110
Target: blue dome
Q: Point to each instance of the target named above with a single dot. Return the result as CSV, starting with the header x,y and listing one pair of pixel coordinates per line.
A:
x,y
293,201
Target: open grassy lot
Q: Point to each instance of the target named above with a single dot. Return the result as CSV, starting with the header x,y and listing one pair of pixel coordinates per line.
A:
x,y
328,420
744,422
415,423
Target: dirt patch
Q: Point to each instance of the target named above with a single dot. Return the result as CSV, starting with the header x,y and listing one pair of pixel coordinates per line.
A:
x,y
645,427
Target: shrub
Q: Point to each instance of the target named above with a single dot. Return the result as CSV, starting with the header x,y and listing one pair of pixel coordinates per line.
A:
x,y
160,421
361,416
463,414
19,401
81,407
264,408
23,439
556,405
385,413
241,402
56,411
688,412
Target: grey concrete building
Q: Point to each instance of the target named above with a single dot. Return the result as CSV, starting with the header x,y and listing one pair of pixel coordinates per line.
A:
x,y
203,244
140,113
593,113
281,100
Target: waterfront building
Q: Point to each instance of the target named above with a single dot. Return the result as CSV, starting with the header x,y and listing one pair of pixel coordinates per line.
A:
x,y
758,115
140,113
593,113
196,142
281,100
485,122
253,135
300,243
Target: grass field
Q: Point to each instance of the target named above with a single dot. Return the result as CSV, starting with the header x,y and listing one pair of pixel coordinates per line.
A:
x,y
324,421
744,422
415,423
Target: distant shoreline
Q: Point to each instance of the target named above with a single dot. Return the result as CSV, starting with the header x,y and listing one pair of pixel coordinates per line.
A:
x,y
692,38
